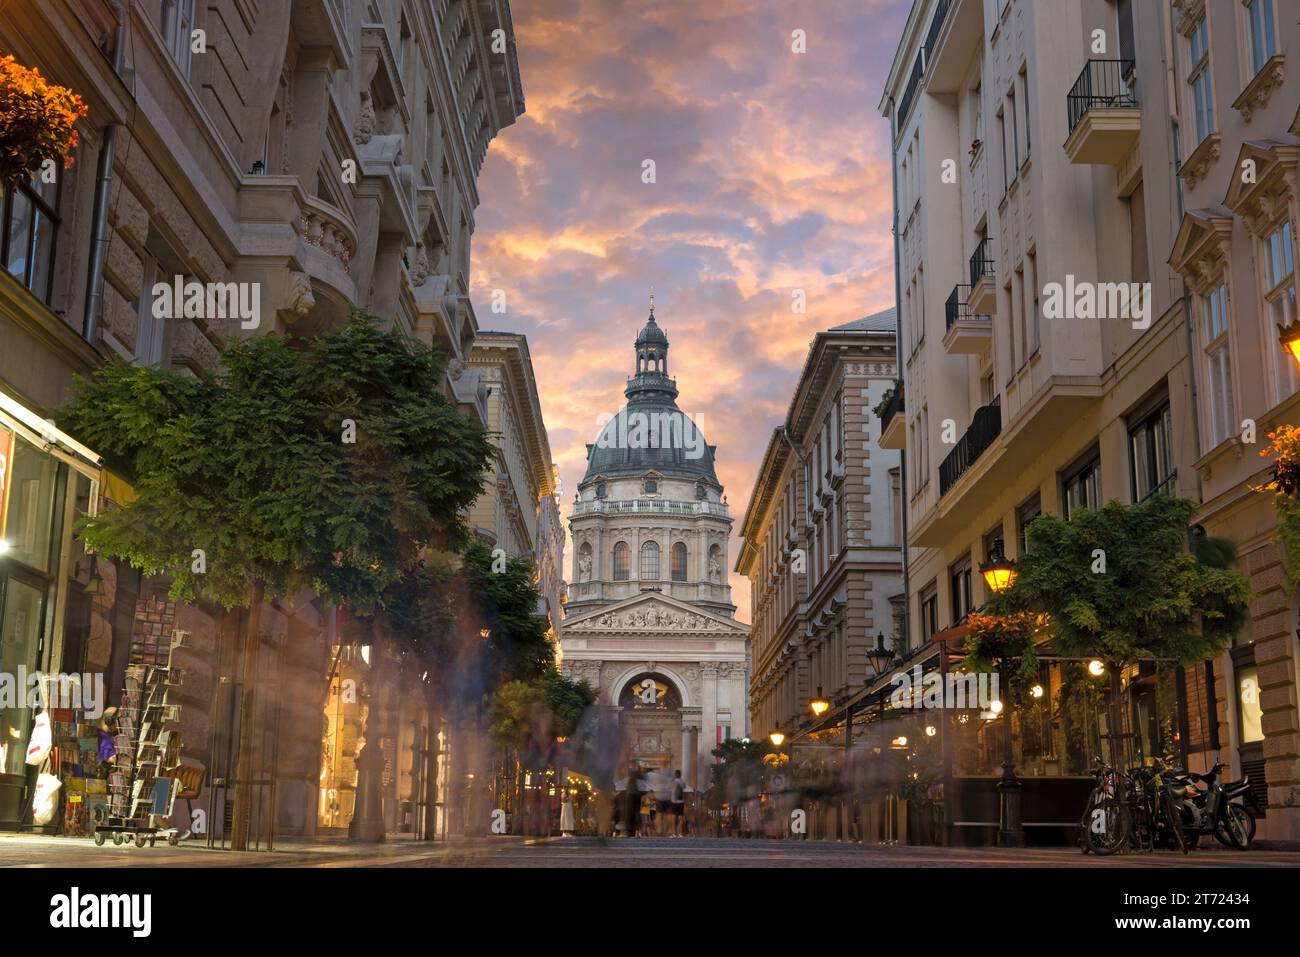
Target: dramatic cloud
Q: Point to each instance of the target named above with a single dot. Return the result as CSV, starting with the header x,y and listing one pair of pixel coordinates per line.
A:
x,y
772,174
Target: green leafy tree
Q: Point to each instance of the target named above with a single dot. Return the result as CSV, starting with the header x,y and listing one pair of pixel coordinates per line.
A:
x,y
507,598
566,699
1120,583
331,464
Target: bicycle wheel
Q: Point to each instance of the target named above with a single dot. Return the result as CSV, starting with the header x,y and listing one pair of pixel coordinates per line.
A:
x,y
1107,826
1237,829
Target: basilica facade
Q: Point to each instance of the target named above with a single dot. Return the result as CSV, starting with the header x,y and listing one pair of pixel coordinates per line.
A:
x,y
649,620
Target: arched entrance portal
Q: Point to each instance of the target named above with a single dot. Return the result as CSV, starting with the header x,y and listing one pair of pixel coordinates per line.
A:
x,y
650,714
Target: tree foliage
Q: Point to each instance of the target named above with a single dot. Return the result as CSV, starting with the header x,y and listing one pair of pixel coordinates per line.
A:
x,y
1119,582
1284,485
37,121
246,476
506,596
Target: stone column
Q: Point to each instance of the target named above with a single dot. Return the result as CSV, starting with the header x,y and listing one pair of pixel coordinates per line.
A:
x,y
687,753
708,719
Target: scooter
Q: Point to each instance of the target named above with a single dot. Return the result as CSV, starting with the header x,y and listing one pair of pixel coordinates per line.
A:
x,y
1227,811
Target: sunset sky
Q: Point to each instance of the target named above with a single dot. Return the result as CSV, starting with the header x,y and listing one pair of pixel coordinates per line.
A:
x,y
772,174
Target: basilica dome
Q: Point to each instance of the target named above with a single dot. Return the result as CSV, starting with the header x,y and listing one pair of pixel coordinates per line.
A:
x,y
650,433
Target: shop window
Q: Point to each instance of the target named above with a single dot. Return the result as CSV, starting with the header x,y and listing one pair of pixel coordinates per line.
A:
x,y
21,621
30,228
29,526
1250,714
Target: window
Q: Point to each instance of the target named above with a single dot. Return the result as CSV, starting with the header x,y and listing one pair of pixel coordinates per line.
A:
x,y
679,561
1151,454
150,333
621,561
1218,369
976,113
1249,709
1279,293
600,490
959,588
1025,514
1023,80
31,225
1014,112
929,602
176,25
1002,136
1198,78
896,505
1082,487
650,561
651,487
1263,40
1035,310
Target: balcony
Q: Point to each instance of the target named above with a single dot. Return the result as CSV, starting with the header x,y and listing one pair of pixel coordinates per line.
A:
x,y
967,333
983,298
605,506
985,426
1103,113
891,419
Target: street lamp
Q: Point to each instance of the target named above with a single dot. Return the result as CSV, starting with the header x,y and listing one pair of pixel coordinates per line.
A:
x,y
1290,339
880,657
1096,668
819,705
999,571
777,737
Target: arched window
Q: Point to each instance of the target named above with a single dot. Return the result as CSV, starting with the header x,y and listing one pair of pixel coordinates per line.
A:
x,y
679,561
650,562
621,561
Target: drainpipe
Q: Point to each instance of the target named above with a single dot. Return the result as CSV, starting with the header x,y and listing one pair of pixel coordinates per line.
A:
x,y
103,184
898,352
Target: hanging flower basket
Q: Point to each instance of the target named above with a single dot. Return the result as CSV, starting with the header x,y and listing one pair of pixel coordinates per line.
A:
x,y
37,121
1284,450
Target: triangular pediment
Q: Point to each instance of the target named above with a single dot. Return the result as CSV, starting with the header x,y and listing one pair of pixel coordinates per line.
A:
x,y
1199,248
652,612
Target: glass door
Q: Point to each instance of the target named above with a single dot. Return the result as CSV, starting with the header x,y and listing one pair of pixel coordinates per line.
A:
x,y
22,618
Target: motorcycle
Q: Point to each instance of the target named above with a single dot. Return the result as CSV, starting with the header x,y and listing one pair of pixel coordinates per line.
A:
x,y
1227,811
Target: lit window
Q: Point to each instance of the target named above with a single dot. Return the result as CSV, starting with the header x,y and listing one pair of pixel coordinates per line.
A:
x,y
679,561
622,562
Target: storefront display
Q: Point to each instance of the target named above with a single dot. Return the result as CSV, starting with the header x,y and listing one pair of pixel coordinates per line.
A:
x,y
46,477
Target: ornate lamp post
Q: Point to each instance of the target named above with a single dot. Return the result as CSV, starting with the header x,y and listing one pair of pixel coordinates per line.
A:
x,y
880,656
819,705
999,574
777,737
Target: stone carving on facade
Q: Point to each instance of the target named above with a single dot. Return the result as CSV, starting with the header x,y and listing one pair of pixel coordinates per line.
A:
x,y
655,616
1260,89
455,369
365,127
420,265
299,299
715,569
1203,157
584,568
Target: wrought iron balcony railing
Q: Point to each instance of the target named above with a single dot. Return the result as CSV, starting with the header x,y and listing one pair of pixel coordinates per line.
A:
x,y
892,408
1103,84
955,308
981,262
985,426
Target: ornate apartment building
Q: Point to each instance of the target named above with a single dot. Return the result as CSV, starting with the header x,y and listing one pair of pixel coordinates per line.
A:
x,y
649,621
1095,146
323,155
823,537
517,510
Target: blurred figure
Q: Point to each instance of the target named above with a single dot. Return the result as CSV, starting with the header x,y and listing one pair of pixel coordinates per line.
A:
x,y
647,815
677,804
566,814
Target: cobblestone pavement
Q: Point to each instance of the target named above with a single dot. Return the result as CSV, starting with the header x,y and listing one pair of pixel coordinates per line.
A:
x,y
39,851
